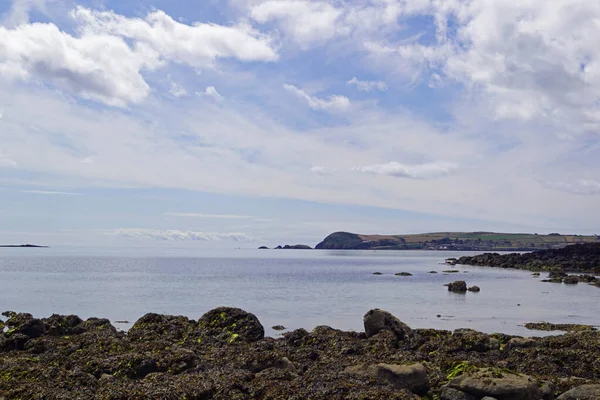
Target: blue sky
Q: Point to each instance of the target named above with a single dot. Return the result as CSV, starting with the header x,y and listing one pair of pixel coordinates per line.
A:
x,y
247,122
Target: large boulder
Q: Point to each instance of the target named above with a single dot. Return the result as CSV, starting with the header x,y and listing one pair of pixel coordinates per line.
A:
x,y
585,392
412,377
230,325
500,384
377,320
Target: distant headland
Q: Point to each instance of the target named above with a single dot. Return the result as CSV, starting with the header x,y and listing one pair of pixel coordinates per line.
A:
x,y
459,241
23,245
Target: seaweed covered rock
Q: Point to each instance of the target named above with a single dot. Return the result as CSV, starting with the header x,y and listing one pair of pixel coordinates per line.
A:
x,y
471,340
377,320
60,325
169,327
229,325
24,324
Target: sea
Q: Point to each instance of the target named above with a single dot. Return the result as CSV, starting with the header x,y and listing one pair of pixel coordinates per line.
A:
x,y
293,288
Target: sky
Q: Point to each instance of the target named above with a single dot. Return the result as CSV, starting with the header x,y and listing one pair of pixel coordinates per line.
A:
x,y
239,123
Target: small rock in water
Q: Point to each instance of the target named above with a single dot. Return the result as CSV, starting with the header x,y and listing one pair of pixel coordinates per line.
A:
x,y
439,315
457,286
278,328
403,274
571,280
121,322
433,272
377,273
474,289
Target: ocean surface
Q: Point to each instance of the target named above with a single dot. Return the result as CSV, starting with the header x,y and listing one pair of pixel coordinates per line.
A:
x,y
294,288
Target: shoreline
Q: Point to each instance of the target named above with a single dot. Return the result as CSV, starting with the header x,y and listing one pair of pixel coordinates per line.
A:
x,y
225,355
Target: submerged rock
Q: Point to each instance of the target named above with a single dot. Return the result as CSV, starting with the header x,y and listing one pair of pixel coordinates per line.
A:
x,y
403,274
474,289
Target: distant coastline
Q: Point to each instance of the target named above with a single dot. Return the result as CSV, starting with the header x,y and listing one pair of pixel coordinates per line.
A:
x,y
22,246
453,241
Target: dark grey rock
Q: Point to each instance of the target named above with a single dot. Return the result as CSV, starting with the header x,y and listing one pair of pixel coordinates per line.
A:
x,y
377,320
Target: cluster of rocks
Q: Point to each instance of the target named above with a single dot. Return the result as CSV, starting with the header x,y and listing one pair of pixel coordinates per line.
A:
x,y
225,355
563,277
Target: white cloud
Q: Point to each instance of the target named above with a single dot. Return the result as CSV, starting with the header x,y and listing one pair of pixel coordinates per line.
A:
x,y
207,216
18,13
51,193
7,162
524,61
176,89
316,22
178,235
333,103
305,21
101,65
197,45
416,171
367,86
577,186
211,91
88,160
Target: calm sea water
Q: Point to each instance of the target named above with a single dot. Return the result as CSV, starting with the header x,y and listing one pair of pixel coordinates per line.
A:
x,y
298,289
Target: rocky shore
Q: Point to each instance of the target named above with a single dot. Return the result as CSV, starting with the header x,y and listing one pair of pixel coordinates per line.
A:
x,y
580,258
225,355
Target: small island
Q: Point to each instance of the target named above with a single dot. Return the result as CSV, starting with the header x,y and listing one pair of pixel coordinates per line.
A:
x,y
294,247
23,246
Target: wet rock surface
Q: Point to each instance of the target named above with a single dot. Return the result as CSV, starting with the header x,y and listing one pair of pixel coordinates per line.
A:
x,y
224,355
